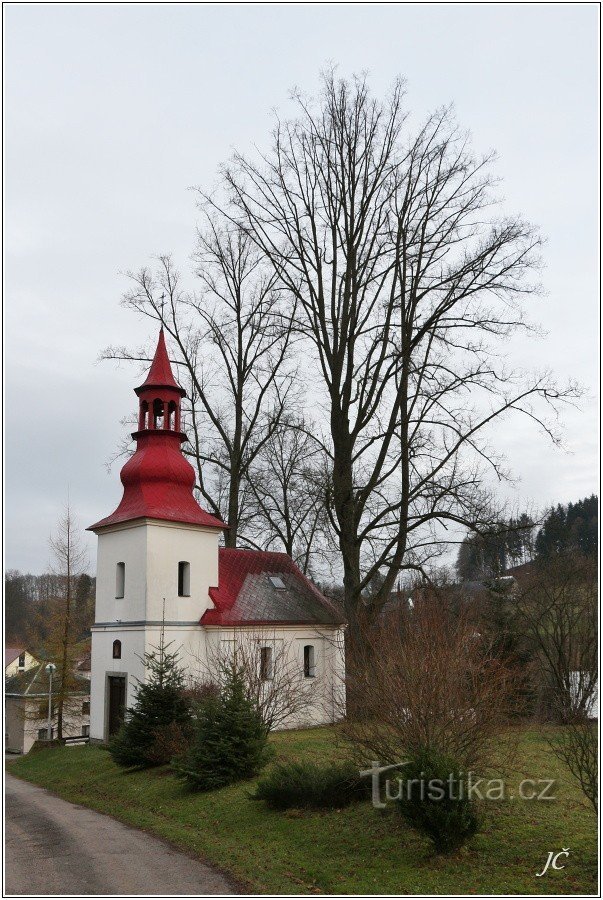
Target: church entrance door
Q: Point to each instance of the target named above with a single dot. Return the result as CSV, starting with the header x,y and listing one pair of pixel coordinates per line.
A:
x,y
117,702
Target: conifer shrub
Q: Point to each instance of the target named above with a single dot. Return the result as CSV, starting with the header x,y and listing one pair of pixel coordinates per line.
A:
x,y
229,742
159,724
434,799
308,786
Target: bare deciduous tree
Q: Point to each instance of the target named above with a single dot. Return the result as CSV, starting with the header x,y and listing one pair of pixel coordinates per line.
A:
x,y
576,744
275,683
69,562
427,680
405,281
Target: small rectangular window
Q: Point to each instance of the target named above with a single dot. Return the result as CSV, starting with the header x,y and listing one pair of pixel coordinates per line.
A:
x,y
86,708
184,579
309,664
85,731
43,734
266,663
277,582
21,660
120,580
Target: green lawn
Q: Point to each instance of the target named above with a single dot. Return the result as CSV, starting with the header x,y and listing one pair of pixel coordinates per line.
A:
x,y
357,850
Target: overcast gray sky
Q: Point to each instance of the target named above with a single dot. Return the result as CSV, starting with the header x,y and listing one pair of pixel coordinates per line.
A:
x,y
112,112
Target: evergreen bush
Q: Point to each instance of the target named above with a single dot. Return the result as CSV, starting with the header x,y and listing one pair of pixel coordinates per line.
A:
x,y
434,800
159,725
309,786
229,742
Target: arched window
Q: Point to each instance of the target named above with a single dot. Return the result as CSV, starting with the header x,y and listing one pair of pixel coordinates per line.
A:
x,y
157,413
171,423
143,421
266,663
309,664
184,579
116,649
120,580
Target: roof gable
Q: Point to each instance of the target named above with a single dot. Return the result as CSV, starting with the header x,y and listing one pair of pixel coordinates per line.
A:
x,y
11,654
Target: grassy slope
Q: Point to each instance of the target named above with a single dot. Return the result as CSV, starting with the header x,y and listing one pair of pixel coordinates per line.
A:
x,y
357,850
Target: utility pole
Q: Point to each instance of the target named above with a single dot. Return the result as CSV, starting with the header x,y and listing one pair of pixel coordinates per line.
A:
x,y
50,668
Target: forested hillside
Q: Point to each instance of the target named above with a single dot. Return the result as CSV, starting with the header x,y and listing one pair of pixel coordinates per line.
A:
x,y
31,604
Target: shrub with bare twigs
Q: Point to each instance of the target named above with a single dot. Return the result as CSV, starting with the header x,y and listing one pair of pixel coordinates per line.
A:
x,y
428,681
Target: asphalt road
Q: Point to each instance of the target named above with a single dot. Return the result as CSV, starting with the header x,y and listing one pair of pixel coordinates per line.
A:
x,y
55,847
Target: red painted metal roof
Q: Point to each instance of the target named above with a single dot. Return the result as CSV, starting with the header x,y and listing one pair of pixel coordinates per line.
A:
x,y
245,594
158,484
160,374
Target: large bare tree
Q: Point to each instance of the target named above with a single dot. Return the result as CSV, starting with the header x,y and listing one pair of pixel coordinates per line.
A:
x,y
231,340
407,282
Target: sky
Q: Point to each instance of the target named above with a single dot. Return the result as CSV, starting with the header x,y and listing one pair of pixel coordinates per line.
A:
x,y
112,112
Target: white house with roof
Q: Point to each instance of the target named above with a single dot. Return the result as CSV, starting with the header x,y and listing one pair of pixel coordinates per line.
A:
x,y
26,695
160,565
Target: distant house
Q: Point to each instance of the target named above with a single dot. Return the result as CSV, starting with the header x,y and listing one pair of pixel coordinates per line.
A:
x,y
17,659
82,665
26,708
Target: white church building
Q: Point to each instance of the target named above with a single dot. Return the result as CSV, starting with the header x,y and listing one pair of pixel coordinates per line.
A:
x,y
160,564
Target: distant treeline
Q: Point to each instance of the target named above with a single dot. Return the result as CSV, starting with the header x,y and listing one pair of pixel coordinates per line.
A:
x,y
572,528
30,603
31,600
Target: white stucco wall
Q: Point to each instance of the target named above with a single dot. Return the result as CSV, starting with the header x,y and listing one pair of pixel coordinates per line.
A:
x,y
23,721
324,694
151,552
103,664
197,647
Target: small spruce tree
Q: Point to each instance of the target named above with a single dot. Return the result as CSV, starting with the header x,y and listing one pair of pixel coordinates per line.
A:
x,y
230,741
159,724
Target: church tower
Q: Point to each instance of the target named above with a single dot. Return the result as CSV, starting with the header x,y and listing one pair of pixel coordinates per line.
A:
x,y
157,555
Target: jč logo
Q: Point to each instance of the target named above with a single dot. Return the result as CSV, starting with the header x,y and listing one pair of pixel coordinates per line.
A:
x,y
552,861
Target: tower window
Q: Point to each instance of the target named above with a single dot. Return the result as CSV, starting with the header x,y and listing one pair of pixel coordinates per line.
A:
x,y
143,421
309,664
120,580
157,413
21,660
116,649
171,416
184,579
266,663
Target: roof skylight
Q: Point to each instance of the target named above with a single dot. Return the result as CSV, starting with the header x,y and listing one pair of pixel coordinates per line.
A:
x,y
277,582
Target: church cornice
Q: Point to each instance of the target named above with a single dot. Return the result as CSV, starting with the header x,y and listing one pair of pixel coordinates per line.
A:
x,y
144,623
